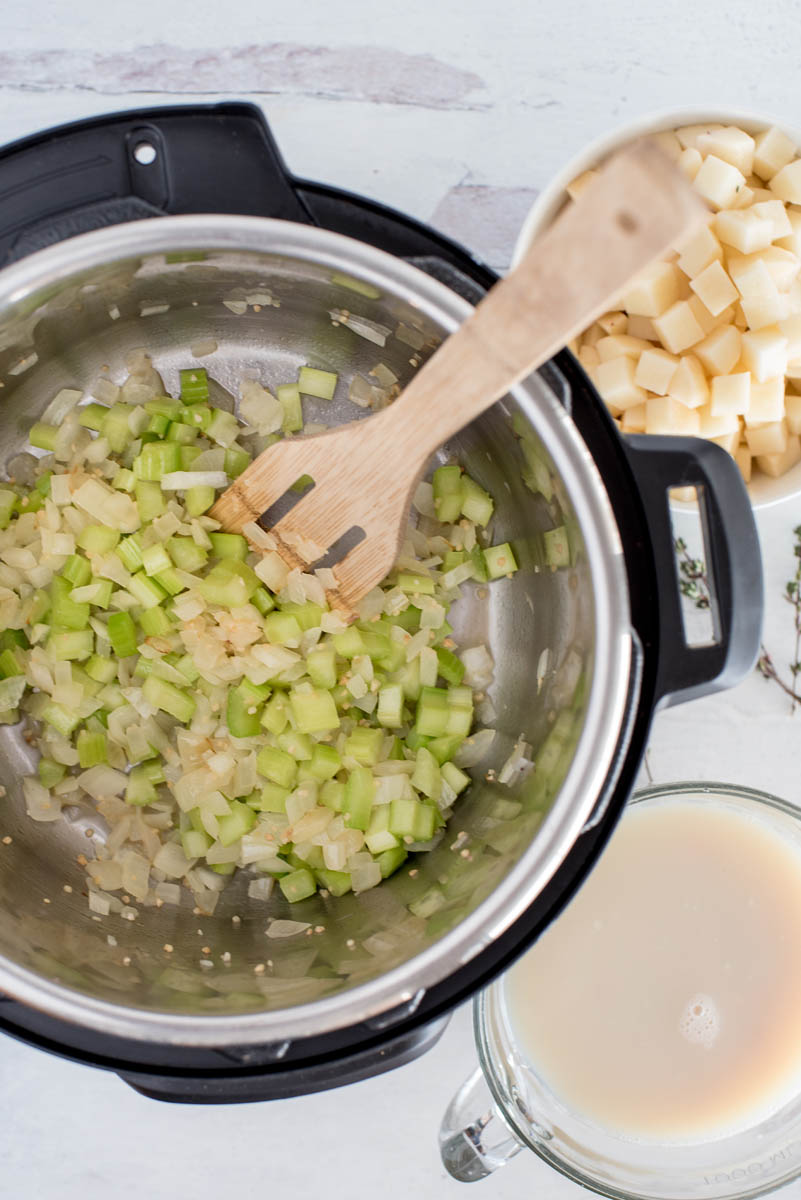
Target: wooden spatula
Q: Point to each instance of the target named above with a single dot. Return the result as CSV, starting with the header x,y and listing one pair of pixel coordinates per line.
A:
x,y
365,472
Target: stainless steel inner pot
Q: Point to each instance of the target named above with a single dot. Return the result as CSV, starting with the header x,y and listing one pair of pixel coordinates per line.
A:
x,y
560,639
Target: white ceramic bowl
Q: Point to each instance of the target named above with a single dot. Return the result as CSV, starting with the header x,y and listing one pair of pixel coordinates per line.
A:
x,y
763,490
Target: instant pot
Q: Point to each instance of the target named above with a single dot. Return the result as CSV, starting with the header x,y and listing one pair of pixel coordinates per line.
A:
x,y
167,227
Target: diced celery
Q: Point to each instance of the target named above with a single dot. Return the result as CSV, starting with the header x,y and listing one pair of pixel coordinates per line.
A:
x,y
364,745
163,406
332,795
432,712
289,397
198,499
277,766
140,790
282,629
155,622
444,747
453,558
409,679
448,494
321,384
236,460
59,717
454,778
244,708
9,502
186,665
477,505
307,615
223,427
229,583
314,711
103,670
338,883
158,425
124,480
145,590
186,554
97,539
50,772
229,545
298,745
43,436
156,460
68,645
358,798
92,416
154,559
92,748
419,585
42,484
198,416
390,860
402,817
10,664
271,798
237,823
168,698
378,838
298,885
184,435
194,385
500,561
10,639
223,868
262,600
122,634
449,666
188,456
321,667
65,613
349,643
149,500
170,580
325,762
276,713
426,777
557,547
129,552
302,483
76,570
390,705
116,427
195,843
480,573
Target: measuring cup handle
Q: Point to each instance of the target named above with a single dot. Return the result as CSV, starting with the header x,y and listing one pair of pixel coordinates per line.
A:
x,y
474,1139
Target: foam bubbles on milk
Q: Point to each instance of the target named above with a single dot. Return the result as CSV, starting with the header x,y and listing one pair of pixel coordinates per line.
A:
x,y
700,1021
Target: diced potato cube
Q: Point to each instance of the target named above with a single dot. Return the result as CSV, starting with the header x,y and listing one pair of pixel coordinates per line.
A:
x,y
767,439
744,459
730,394
720,351
790,328
577,186
655,370
678,328
654,290
744,198
714,288
668,143
728,442
767,402
620,345
733,145
775,212
641,327
593,335
786,184
633,419
765,310
588,356
665,415
689,385
688,135
793,240
689,161
615,381
744,230
718,182
783,266
704,317
778,464
698,251
764,353
715,427
792,410
751,276
773,151
613,322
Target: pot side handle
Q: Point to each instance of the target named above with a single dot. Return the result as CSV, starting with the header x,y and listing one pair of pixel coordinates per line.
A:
x,y
204,158
733,558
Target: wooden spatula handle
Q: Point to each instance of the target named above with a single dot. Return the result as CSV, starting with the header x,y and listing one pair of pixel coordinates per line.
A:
x,y
637,208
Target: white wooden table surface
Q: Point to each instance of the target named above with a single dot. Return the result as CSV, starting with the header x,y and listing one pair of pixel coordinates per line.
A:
x,y
456,111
